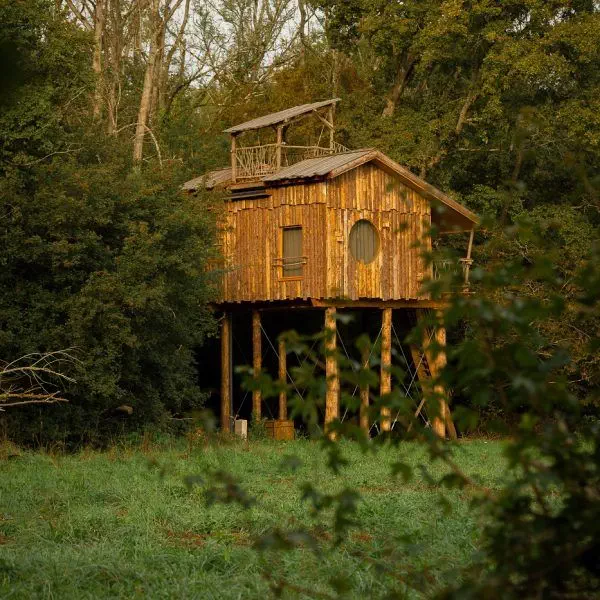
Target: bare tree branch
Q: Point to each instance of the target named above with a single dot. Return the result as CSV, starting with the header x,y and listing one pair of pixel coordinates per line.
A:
x,y
35,378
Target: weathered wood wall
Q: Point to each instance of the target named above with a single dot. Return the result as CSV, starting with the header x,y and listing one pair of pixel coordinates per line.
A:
x,y
326,211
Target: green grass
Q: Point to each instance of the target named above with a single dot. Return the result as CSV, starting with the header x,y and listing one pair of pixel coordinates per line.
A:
x,y
122,524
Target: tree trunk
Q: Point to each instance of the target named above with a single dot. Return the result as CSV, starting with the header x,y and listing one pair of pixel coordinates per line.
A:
x,y
149,76
399,85
163,76
99,20
114,47
157,74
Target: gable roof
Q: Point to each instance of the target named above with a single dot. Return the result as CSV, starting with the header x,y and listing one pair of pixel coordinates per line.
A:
x,y
316,167
282,116
448,214
336,164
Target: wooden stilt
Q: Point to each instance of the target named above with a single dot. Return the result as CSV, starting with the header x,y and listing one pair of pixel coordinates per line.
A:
x,y
226,373
283,380
436,364
364,395
440,363
332,407
386,362
256,364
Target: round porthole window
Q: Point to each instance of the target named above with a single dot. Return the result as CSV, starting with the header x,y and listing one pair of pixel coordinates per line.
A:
x,y
364,241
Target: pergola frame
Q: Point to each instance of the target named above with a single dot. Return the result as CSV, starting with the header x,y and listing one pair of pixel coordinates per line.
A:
x,y
260,158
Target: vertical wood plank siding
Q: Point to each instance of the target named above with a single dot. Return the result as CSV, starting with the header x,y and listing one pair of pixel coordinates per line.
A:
x,y
252,240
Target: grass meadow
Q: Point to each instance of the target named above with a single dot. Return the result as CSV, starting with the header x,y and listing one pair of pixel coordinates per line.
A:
x,y
122,524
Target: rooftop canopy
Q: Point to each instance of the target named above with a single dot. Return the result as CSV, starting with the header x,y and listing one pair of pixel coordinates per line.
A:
x,y
283,116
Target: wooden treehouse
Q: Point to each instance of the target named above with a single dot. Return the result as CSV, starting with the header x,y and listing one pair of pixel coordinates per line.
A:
x,y
323,228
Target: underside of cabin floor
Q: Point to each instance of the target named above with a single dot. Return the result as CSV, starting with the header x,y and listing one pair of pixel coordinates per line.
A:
x,y
250,337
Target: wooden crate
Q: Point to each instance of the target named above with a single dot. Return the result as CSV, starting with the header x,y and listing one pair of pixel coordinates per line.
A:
x,y
280,430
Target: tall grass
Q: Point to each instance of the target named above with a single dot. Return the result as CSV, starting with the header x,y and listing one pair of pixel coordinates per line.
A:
x,y
123,524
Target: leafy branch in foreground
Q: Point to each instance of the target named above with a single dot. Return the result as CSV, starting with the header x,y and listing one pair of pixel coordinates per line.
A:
x,y
541,524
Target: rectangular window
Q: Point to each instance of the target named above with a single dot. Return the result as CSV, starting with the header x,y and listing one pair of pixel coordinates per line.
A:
x,y
292,252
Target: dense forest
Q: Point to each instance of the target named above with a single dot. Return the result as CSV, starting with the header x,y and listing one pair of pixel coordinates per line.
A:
x,y
108,106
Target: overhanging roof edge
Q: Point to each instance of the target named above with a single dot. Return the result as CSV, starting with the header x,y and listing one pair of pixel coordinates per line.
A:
x,y
279,117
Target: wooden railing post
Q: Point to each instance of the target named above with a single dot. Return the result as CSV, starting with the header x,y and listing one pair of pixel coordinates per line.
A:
x,y
468,260
279,146
233,158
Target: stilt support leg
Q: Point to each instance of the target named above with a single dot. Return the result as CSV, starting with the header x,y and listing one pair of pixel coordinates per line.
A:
x,y
226,373
442,422
256,364
364,395
332,406
436,363
386,362
283,381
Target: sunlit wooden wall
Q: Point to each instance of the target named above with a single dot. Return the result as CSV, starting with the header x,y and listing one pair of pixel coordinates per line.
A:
x,y
252,240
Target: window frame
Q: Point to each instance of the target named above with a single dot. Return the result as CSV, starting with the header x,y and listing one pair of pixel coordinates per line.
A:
x,y
376,245
281,260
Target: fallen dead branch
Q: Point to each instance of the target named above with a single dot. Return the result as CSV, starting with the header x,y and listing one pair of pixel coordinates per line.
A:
x,y
35,378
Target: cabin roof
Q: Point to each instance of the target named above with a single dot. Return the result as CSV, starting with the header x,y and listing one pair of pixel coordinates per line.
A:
x,y
336,164
448,213
282,116
209,180
316,167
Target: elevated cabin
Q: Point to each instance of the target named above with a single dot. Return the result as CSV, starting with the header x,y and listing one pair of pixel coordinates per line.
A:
x,y
321,226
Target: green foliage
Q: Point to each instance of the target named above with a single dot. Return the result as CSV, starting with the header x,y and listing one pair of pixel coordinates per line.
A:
x,y
45,77
95,255
543,535
258,430
113,263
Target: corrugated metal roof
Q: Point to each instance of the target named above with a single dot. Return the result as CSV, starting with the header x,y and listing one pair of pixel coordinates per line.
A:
x,y
315,167
209,180
334,165
280,117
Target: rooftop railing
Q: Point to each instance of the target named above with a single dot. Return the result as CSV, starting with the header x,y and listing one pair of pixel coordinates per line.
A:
x,y
254,162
